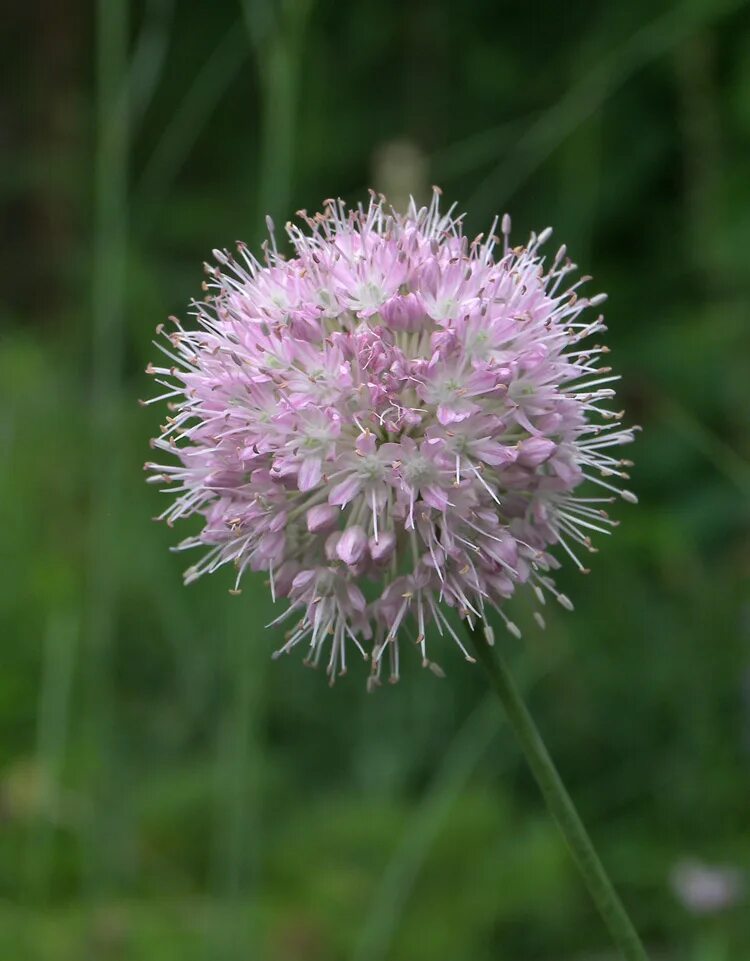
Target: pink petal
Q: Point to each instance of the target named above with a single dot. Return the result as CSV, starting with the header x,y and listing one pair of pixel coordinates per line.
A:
x,y
494,454
535,451
322,518
435,497
381,550
310,473
345,490
352,545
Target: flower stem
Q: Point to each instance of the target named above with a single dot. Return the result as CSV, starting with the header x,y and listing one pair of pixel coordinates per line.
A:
x,y
558,800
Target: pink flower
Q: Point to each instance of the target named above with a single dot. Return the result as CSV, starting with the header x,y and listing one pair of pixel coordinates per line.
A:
x,y
390,406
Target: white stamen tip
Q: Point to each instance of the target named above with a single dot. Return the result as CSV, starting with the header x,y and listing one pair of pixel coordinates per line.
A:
x,y
436,669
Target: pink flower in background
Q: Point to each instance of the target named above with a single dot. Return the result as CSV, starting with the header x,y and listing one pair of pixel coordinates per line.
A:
x,y
392,412
707,888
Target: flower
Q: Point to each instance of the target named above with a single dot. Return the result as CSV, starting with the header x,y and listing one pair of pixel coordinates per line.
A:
x,y
392,421
706,888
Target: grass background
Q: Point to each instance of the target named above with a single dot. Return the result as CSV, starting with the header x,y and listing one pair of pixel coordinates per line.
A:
x,y
166,791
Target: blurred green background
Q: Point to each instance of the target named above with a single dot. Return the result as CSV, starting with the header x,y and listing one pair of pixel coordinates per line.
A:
x,y
168,792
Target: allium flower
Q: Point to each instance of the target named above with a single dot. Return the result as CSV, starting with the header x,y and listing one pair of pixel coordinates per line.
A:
x,y
391,421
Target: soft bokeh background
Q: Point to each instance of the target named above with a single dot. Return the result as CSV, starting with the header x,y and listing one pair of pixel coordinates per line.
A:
x,y
168,792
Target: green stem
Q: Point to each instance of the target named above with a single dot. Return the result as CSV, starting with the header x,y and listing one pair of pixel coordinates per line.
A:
x,y
558,800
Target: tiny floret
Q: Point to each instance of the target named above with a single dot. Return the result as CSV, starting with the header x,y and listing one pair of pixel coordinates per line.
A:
x,y
391,421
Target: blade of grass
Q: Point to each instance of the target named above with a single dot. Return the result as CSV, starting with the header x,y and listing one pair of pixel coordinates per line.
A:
x,y
561,807
53,716
239,777
400,876
276,37
469,154
109,254
462,756
187,122
588,94
149,57
723,457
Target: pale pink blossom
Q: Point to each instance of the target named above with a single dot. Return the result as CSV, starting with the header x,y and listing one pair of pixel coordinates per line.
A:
x,y
391,412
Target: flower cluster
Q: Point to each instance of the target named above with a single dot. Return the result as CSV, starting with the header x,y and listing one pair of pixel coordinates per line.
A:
x,y
391,421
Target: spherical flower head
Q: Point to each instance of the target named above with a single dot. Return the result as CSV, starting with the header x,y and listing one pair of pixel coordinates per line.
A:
x,y
391,421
